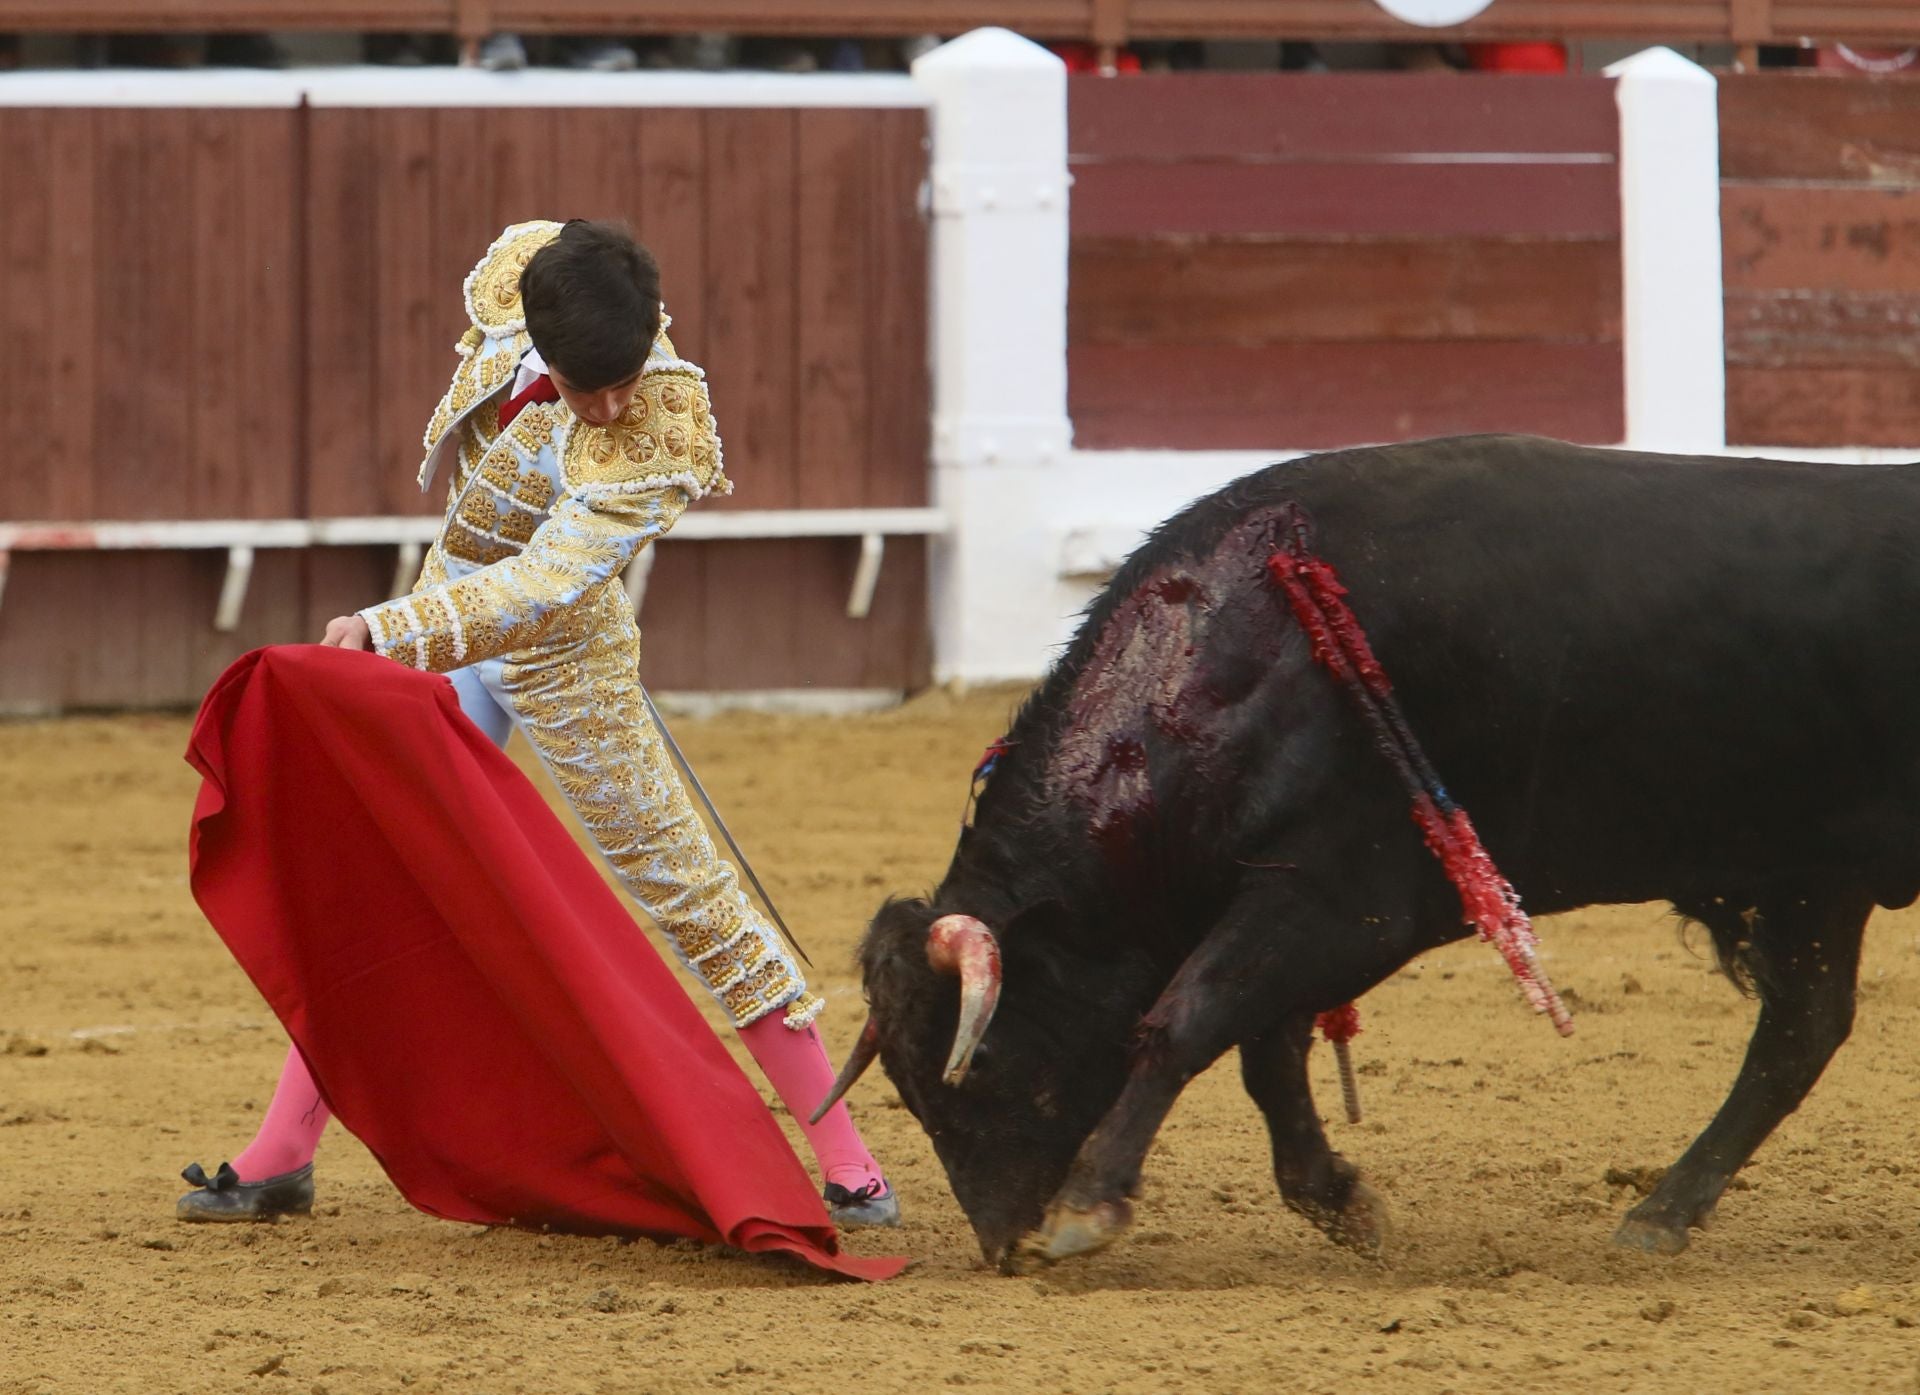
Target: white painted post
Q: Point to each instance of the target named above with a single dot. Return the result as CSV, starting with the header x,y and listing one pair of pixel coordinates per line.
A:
x,y
1673,318
1000,426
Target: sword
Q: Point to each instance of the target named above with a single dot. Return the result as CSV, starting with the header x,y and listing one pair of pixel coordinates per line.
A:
x,y
680,759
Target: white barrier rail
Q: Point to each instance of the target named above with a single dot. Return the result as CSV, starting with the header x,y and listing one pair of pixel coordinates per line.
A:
x,y
239,538
452,87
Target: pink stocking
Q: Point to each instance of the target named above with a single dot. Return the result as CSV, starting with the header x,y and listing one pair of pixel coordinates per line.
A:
x,y
802,1076
291,1129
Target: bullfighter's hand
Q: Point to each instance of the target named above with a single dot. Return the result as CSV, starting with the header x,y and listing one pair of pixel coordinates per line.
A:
x,y
347,632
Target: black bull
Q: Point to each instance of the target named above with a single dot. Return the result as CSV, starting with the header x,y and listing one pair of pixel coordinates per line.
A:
x,y
1646,678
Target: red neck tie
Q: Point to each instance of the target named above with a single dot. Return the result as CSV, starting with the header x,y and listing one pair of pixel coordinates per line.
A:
x,y
541,389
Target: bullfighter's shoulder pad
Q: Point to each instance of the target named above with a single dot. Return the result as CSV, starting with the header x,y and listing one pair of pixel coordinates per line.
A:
x,y
493,287
491,347
665,437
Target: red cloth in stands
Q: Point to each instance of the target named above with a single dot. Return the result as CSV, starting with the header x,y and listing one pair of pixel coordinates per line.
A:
x,y
1518,56
476,1004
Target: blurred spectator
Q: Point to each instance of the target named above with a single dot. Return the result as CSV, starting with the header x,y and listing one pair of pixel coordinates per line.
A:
x,y
876,55
137,50
407,50
1384,57
1845,58
497,52
1181,56
502,53
1542,56
597,53
917,47
710,53
779,55
244,51
175,50
1085,58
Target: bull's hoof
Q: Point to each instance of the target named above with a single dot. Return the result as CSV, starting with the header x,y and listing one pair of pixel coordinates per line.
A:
x,y
1653,1234
1364,1224
1070,1230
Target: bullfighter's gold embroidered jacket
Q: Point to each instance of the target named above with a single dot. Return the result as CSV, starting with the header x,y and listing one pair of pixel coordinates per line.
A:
x,y
541,517
522,588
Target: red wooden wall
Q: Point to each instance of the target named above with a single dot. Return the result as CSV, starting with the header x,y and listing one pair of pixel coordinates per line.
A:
x,y
1820,229
1306,260
250,314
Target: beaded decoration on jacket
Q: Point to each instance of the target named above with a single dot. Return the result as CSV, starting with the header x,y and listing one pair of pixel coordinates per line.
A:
x,y
496,339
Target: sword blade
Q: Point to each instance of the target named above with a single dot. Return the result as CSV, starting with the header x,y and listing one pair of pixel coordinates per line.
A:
x,y
700,792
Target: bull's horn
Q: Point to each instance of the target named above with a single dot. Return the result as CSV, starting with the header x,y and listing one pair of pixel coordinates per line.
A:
x,y
864,1050
961,945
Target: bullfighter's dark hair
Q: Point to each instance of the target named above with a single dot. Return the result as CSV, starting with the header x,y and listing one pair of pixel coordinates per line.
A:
x,y
592,298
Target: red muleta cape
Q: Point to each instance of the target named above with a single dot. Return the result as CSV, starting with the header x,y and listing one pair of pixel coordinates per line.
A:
x,y
477,1005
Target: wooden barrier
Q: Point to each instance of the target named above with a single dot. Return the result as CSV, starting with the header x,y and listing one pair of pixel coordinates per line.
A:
x,y
1318,260
1103,22
1820,219
249,313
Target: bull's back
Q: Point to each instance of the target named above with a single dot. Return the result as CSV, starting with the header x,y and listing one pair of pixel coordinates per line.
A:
x,y
1645,676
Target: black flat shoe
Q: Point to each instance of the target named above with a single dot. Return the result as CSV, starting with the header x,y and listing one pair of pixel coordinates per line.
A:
x,y
871,1205
224,1197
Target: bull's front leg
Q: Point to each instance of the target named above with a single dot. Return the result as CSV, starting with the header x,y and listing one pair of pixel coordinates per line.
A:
x,y
1225,992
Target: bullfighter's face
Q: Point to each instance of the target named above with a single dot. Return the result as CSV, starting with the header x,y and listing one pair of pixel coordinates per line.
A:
x,y
1041,1077
595,406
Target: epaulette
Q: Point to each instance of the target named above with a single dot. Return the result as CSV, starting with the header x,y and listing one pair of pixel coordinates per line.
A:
x,y
490,349
492,288
665,437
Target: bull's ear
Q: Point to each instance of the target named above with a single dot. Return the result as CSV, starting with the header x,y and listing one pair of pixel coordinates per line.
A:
x,y
900,924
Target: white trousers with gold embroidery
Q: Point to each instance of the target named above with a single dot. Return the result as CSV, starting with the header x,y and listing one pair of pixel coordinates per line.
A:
x,y
581,711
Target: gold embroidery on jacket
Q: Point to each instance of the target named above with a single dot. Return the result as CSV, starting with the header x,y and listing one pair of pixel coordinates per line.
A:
x,y
478,376
584,717
534,490
477,511
493,287
664,437
505,503
492,346
546,599
511,603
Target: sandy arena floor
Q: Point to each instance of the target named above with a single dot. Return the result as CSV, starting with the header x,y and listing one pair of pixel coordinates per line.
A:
x,y
130,1043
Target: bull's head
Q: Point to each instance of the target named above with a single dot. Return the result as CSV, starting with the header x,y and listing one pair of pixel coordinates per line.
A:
x,y
1006,1109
